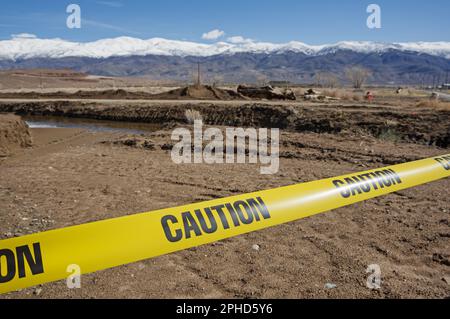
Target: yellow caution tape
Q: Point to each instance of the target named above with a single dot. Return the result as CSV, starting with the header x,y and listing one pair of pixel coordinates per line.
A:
x,y
44,257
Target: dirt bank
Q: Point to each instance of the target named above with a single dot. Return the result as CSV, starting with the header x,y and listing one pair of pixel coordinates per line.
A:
x,y
14,134
417,125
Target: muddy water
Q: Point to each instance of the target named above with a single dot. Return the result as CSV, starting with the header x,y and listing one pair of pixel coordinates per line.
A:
x,y
89,125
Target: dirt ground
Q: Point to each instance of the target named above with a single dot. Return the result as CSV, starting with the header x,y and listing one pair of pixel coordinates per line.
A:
x,y
71,176
46,81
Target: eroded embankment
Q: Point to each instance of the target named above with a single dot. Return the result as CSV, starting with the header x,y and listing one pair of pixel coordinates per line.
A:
x,y
419,126
14,134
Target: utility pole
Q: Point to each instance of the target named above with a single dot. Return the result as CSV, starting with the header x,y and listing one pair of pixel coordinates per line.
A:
x,y
41,87
199,80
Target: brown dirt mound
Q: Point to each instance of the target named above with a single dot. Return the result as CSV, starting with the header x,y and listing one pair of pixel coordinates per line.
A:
x,y
14,134
202,92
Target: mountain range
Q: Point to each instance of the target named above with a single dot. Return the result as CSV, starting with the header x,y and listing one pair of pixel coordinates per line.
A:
x,y
238,60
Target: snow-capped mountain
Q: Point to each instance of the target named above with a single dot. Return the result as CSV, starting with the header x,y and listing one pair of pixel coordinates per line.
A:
x,y
27,46
237,60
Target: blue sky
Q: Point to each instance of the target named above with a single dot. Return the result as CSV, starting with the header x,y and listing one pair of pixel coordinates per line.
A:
x,y
313,22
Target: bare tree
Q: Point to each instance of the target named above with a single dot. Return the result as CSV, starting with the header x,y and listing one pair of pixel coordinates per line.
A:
x,y
318,78
199,78
326,79
41,82
330,80
357,75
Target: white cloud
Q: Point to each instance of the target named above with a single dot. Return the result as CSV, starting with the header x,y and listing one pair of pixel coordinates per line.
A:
x,y
213,35
24,36
239,40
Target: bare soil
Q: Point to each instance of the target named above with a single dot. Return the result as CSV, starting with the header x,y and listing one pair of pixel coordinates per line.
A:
x,y
71,177
48,81
199,92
